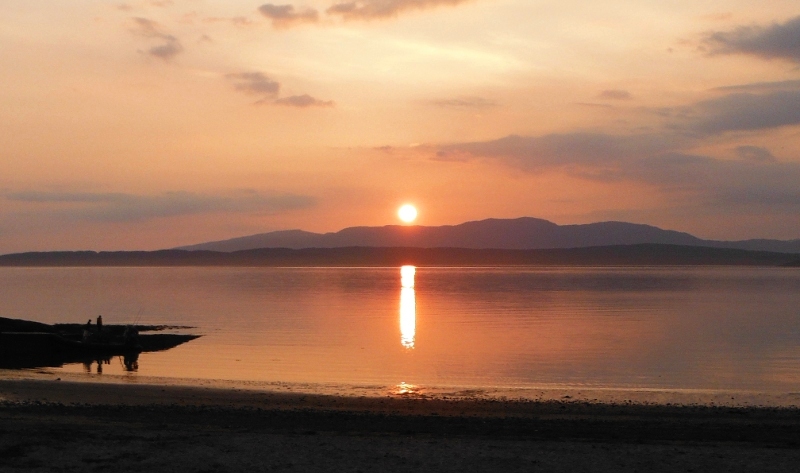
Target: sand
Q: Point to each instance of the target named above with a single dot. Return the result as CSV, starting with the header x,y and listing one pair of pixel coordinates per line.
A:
x,y
57,425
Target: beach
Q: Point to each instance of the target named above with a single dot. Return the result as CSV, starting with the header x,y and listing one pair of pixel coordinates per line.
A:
x,y
62,425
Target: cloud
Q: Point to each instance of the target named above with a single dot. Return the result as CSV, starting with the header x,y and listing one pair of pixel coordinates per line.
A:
x,y
167,50
170,45
754,153
595,105
379,9
284,16
63,197
121,207
303,101
258,83
464,102
614,94
662,157
756,180
776,41
762,87
743,112
240,21
147,28
255,83
562,150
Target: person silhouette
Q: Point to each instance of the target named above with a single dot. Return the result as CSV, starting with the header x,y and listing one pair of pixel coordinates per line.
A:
x,y
87,330
99,323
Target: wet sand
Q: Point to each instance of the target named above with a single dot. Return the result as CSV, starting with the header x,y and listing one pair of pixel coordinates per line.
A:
x,y
49,425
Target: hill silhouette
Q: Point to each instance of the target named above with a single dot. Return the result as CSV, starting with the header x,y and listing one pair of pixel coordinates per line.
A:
x,y
524,233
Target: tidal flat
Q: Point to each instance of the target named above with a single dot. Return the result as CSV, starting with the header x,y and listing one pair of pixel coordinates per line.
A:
x,y
55,425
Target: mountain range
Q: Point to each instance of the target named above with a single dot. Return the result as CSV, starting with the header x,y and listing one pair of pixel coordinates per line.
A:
x,y
524,233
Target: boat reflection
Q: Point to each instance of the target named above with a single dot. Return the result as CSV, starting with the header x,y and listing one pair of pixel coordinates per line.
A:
x,y
408,307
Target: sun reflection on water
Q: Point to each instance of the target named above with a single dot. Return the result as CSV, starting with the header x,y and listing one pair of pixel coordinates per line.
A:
x,y
408,307
405,389
407,276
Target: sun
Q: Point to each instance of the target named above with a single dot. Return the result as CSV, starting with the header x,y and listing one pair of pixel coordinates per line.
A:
x,y
407,213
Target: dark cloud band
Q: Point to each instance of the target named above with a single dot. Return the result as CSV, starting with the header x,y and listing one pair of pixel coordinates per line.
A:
x,y
778,40
755,179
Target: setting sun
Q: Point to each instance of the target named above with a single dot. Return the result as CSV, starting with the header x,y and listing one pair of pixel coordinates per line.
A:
x,y
407,213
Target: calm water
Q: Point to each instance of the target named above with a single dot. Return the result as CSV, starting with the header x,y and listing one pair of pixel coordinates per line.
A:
x,y
687,328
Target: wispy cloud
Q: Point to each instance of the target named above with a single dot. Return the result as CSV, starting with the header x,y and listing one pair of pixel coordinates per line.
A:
x,y
464,103
615,94
754,153
775,41
121,207
241,21
379,9
303,101
169,46
532,153
64,197
762,87
283,16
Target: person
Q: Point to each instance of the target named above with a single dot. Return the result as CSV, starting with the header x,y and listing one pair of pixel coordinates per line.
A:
x,y
87,330
131,335
99,323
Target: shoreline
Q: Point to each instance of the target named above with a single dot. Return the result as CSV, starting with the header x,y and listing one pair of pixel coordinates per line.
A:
x,y
54,425
551,418
641,254
687,397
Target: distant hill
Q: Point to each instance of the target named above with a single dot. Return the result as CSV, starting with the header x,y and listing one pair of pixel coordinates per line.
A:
x,y
622,255
512,234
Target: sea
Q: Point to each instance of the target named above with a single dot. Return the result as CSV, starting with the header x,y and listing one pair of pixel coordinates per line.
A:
x,y
367,331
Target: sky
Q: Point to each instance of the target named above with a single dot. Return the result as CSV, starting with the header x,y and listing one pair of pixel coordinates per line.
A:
x,y
158,123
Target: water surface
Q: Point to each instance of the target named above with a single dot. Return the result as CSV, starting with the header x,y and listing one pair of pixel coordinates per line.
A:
x,y
616,328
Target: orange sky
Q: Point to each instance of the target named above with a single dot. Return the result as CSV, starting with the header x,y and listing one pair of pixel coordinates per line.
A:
x,y
153,124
